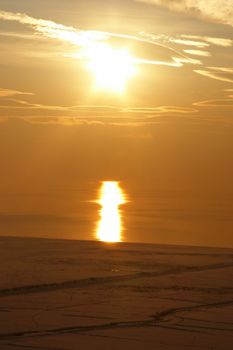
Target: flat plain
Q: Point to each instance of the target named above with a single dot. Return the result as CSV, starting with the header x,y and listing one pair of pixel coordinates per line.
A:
x,y
69,295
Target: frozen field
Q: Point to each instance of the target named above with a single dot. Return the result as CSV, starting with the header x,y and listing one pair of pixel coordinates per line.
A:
x,y
70,295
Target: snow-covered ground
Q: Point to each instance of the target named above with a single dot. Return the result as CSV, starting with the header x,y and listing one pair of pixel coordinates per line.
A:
x,y
71,295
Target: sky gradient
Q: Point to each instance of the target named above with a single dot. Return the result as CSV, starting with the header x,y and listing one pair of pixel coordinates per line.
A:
x,y
163,127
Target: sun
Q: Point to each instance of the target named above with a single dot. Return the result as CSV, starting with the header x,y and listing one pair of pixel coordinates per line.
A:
x,y
111,67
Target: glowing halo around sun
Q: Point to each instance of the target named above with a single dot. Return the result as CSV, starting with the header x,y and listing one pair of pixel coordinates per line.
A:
x,y
111,67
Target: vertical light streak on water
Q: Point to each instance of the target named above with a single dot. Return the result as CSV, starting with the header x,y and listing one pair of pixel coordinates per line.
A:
x,y
109,227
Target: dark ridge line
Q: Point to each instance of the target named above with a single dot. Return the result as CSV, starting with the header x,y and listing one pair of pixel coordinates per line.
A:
x,y
112,337
31,346
77,329
184,329
173,311
216,290
152,322
207,321
192,326
91,317
50,287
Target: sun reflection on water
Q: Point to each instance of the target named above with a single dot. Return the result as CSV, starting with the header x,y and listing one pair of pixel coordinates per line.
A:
x,y
109,228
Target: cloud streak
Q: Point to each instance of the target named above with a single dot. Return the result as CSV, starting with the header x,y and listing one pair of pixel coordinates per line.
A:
x,y
10,93
198,53
217,73
216,10
223,42
11,106
186,42
157,54
225,101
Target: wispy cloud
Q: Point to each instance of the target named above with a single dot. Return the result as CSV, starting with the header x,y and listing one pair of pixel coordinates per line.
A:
x,y
224,42
186,42
24,36
65,121
198,53
222,69
198,41
225,101
162,109
221,102
217,10
9,92
156,54
229,93
11,106
52,29
217,73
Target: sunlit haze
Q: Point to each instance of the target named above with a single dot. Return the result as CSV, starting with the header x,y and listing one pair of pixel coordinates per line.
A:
x,y
139,91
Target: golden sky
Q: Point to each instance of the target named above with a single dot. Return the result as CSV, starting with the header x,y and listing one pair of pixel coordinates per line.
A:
x,y
135,91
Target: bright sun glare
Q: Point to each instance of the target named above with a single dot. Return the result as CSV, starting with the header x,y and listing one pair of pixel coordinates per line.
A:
x,y
112,67
111,197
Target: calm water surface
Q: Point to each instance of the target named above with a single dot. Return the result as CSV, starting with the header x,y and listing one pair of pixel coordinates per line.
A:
x,y
114,211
